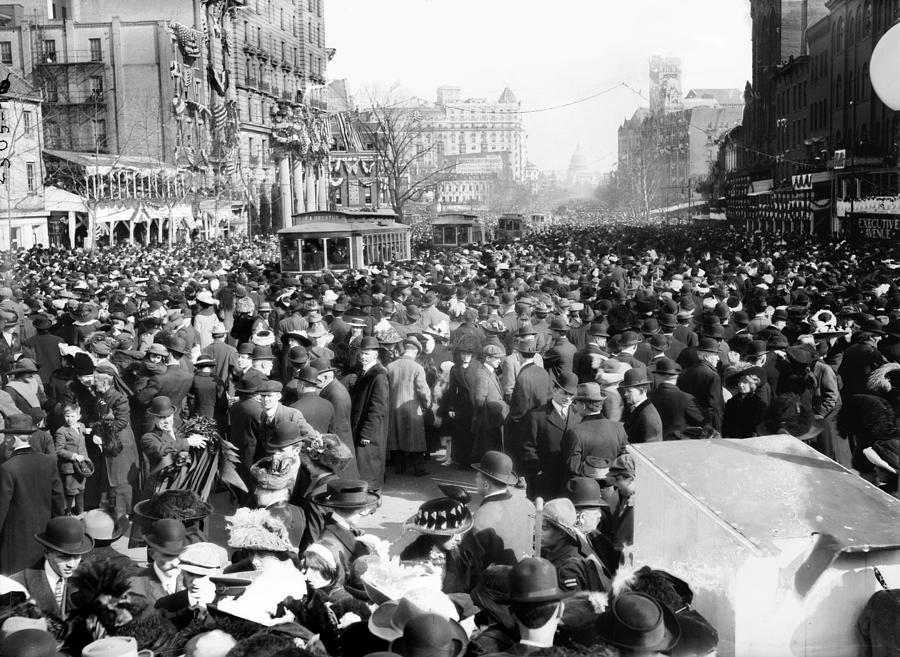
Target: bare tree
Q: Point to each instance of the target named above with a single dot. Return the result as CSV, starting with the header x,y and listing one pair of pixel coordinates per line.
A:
x,y
406,157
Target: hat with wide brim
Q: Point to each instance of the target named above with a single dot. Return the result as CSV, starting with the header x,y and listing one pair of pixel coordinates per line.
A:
x,y
622,625
459,640
142,510
497,474
120,525
347,494
443,516
24,366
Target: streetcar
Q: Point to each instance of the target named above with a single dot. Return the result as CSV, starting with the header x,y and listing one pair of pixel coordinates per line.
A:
x,y
511,226
452,229
342,239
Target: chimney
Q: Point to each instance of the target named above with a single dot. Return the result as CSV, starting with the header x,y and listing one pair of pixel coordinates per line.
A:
x,y
804,20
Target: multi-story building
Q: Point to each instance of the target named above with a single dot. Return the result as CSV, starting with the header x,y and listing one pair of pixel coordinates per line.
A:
x,y
457,126
23,215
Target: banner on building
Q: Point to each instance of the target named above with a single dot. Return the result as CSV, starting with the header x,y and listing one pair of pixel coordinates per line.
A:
x,y
802,182
874,227
840,158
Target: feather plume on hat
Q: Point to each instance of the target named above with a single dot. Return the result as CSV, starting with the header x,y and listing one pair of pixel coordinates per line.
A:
x,y
257,529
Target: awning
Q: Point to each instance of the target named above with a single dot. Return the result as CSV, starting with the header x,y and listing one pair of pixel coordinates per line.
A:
x,y
760,187
60,200
102,163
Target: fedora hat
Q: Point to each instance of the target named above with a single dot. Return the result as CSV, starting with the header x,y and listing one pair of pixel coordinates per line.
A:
x,y
369,343
262,353
284,435
204,361
161,407
42,322
347,494
526,345
633,379
432,635
19,423
638,622
249,383
65,534
534,580
598,329
157,349
709,345
390,618
24,366
30,642
498,466
102,527
322,365
443,516
308,374
585,493
167,536
628,339
665,367
178,345
567,381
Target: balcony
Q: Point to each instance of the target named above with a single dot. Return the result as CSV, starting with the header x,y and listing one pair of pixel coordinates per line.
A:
x,y
288,95
71,58
287,66
250,82
263,53
263,86
94,97
81,145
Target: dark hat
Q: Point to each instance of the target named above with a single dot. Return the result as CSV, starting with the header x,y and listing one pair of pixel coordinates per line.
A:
x,y
65,534
650,326
801,354
161,407
204,361
41,322
667,320
658,341
347,494
780,315
590,391
443,516
262,353
585,493
19,423
284,435
525,345
82,364
498,466
598,329
558,324
369,343
269,386
308,375
709,345
298,355
246,348
567,381
872,326
741,318
714,331
322,365
595,467
167,536
177,345
249,383
755,348
628,338
156,349
30,642
777,341
637,621
102,527
534,580
633,379
665,366
432,635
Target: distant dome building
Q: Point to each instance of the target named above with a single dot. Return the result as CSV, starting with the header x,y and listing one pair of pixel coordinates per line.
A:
x,y
580,170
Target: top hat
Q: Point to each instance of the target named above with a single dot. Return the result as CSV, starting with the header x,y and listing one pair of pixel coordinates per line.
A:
x,y
102,527
567,381
65,534
161,406
633,379
347,494
665,367
534,580
638,622
498,466
443,516
167,536
585,493
284,435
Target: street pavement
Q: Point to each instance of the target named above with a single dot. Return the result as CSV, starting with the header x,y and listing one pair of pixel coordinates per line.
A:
x,y
401,497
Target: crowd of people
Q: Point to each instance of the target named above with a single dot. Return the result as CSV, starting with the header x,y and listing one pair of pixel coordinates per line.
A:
x,y
137,381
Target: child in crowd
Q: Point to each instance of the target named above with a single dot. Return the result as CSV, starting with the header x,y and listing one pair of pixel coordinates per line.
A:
x,y
71,452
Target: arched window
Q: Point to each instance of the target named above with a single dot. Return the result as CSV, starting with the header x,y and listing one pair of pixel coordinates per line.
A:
x,y
863,134
851,29
864,81
840,34
838,140
867,18
851,88
838,92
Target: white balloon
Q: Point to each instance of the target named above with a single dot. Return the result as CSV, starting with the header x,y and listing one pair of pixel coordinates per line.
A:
x,y
884,68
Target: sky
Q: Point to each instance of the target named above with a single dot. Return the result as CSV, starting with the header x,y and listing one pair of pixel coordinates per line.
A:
x,y
548,52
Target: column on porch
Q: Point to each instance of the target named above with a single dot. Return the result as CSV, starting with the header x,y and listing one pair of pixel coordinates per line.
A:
x,y
284,184
322,189
71,225
310,187
299,205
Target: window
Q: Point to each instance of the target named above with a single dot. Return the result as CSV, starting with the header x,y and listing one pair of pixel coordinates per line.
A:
x,y
50,91
99,132
49,51
840,34
27,121
6,52
96,50
864,81
259,37
282,18
867,18
30,177
246,32
838,92
253,158
97,86
51,130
